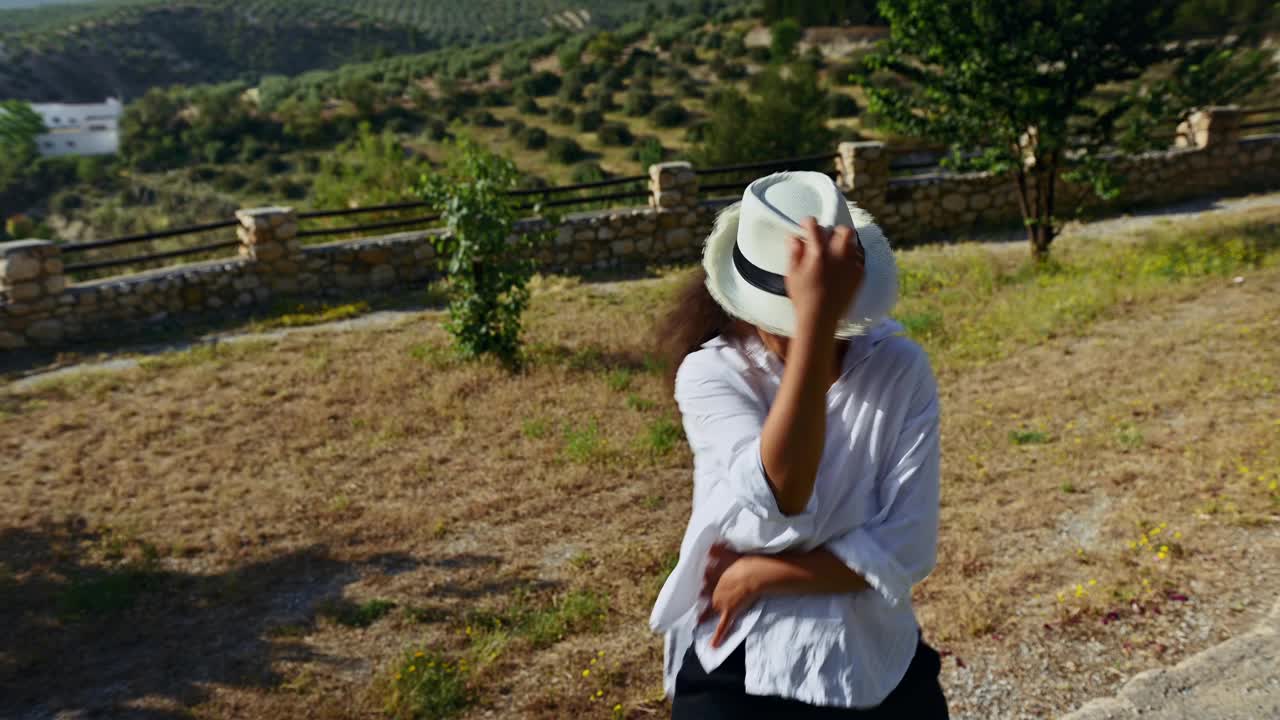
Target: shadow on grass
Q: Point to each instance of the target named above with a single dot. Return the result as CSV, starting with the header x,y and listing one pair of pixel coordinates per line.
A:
x,y
89,638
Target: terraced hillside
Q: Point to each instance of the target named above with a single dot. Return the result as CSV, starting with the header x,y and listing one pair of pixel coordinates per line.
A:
x,y
70,52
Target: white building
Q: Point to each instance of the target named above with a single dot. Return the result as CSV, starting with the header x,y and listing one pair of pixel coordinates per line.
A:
x,y
80,129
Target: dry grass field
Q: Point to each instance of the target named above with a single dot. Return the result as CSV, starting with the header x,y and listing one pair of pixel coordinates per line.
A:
x,y
352,524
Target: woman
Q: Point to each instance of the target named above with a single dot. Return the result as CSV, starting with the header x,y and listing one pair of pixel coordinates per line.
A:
x,y
814,428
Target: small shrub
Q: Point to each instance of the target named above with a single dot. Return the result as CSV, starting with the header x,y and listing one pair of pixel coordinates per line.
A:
x,y
588,121
639,102
647,151
841,105
615,134
514,126
562,115
564,151
586,172
669,114
482,118
427,685
526,105
533,138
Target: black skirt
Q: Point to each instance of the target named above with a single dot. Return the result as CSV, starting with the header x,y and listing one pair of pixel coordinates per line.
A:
x,y
722,694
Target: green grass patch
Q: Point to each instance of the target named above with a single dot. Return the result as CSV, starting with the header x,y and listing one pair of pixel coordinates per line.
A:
x,y
661,436
541,623
357,615
619,380
997,302
639,404
1128,435
312,313
427,684
584,445
214,353
1028,437
111,592
535,428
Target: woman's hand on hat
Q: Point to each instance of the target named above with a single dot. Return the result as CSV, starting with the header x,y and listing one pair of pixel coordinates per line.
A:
x,y
824,274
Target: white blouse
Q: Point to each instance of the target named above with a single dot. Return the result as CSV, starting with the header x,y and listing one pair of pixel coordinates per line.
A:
x,y
874,506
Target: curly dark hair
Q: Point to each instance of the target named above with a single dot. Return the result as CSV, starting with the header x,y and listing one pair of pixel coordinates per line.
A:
x,y
693,319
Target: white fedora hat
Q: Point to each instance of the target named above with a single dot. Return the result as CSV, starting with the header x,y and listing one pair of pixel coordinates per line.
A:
x,y
746,255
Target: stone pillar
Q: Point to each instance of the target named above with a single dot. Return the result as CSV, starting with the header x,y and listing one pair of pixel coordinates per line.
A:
x,y
31,289
1209,127
673,189
269,238
864,173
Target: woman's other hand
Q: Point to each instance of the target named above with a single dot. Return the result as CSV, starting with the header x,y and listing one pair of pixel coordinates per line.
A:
x,y
730,586
824,274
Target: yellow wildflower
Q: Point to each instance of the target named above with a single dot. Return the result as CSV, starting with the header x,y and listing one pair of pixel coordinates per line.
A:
x,y
419,654
599,693
412,668
1164,548
586,673
600,654
1092,582
1177,535
617,708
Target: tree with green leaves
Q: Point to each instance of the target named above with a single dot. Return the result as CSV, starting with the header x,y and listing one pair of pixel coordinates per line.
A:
x,y
19,127
783,38
1017,83
786,118
488,266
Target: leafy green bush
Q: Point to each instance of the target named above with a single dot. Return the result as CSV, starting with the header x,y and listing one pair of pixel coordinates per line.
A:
x,y
586,172
533,138
588,121
486,263
639,102
841,105
615,134
648,151
669,114
564,151
562,115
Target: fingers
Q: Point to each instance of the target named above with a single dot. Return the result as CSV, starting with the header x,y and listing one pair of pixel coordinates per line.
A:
x,y
722,629
842,241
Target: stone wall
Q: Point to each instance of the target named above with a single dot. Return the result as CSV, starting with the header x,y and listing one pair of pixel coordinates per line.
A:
x,y
1210,159
39,308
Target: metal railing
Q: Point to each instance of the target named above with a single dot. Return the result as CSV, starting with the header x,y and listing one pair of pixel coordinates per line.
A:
x,y
583,195
1273,122
747,172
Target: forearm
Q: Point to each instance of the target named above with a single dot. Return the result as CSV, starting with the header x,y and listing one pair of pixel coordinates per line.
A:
x,y
817,572
792,438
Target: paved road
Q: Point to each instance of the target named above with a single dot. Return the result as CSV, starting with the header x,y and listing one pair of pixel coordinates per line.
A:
x,y
1236,680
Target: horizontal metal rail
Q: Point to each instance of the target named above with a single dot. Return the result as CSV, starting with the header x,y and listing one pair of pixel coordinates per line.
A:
x,y
918,165
137,259
1261,110
581,201
769,165
1256,125
359,210
371,226
581,186
143,237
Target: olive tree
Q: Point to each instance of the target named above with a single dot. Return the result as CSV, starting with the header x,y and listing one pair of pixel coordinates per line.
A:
x,y
1015,85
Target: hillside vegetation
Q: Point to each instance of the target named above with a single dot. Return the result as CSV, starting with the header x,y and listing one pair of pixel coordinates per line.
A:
x,y
123,47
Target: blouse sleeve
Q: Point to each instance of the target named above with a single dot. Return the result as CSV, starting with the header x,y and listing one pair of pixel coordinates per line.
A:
x,y
897,548
723,421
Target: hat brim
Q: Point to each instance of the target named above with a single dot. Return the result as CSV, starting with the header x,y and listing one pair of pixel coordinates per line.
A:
x,y
775,313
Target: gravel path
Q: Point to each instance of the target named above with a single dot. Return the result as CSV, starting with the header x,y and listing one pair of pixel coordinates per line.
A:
x,y
1236,680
